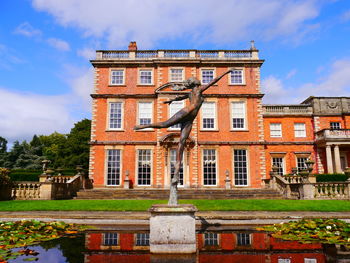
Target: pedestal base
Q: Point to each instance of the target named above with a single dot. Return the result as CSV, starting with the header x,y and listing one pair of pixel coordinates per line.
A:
x,y
173,229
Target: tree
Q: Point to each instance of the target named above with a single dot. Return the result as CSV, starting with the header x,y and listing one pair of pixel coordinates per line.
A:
x,y
3,145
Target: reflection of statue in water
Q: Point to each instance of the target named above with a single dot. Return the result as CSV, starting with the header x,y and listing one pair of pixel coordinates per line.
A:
x,y
184,117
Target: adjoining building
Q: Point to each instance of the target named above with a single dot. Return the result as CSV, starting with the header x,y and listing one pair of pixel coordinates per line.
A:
x,y
235,138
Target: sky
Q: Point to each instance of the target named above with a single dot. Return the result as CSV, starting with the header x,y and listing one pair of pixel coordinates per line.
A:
x,y
45,47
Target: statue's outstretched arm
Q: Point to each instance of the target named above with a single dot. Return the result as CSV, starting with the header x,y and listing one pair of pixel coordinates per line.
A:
x,y
177,98
211,83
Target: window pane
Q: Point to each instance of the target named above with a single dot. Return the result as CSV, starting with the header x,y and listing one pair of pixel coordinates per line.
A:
x,y
117,77
237,76
301,163
243,239
209,167
240,167
176,74
207,75
110,239
299,130
113,167
172,167
208,115
115,115
146,76
238,115
335,125
175,106
144,167
278,161
142,239
211,239
275,130
145,112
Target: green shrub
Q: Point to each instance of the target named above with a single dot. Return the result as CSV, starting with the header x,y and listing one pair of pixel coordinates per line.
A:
x,y
331,177
33,175
5,180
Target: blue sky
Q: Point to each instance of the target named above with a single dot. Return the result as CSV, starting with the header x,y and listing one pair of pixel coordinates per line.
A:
x,y
45,47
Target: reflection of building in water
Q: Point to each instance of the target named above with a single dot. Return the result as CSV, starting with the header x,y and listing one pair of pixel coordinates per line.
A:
x,y
213,247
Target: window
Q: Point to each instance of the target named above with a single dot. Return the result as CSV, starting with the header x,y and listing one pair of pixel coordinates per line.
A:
x,y
113,167
278,161
275,130
238,115
172,167
209,167
236,76
284,260
110,239
335,125
146,76
174,107
142,239
144,167
310,260
240,165
117,77
299,130
207,75
301,163
145,112
209,115
176,74
243,239
211,239
115,115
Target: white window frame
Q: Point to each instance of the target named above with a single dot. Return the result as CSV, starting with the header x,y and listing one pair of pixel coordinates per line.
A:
x,y
296,161
242,75
310,260
110,101
139,112
171,74
142,239
108,237
275,133
184,166
334,122
298,131
111,77
207,69
245,119
171,112
234,168
152,76
284,260
107,148
283,163
238,238
209,237
137,166
216,167
215,128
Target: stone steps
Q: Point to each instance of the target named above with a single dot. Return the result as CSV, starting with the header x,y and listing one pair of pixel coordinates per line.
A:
x,y
183,194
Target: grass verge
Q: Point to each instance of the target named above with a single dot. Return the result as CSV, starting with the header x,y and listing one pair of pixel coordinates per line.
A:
x,y
202,205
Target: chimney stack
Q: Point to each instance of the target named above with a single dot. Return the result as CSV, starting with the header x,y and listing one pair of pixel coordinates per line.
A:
x,y
132,46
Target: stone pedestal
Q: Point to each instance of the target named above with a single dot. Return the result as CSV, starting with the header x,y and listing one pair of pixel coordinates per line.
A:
x,y
172,229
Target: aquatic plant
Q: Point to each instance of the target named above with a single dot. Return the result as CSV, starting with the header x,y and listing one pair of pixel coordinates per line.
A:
x,y
325,231
29,232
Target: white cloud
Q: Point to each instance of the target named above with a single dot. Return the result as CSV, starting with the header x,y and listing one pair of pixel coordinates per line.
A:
x,y
219,22
27,30
346,16
335,82
87,53
291,73
59,44
8,58
23,115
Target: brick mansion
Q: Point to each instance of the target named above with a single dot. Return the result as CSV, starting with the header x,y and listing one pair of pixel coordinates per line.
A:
x,y
235,139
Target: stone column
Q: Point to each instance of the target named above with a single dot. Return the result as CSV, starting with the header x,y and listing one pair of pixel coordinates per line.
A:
x,y
329,159
337,159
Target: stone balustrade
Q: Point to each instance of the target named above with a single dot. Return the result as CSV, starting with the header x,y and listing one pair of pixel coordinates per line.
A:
x,y
329,134
271,110
177,54
332,190
26,191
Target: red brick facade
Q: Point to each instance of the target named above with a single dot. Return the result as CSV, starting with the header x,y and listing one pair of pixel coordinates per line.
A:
x,y
231,137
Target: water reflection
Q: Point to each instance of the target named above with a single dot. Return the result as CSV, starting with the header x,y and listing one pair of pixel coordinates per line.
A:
x,y
214,246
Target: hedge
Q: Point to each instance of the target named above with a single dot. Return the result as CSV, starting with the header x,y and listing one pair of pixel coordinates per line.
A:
x,y
331,177
33,175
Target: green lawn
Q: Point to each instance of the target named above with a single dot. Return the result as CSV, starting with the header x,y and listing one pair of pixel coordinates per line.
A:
x,y
202,205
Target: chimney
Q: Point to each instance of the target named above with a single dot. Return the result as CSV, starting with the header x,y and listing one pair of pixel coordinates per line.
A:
x,y
132,46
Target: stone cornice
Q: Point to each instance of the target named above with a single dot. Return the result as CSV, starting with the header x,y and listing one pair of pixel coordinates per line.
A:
x,y
105,96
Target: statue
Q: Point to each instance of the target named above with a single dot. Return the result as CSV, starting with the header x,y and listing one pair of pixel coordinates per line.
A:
x,y
185,117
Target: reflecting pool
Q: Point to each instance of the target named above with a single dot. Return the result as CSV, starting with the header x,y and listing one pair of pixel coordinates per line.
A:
x,y
214,245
